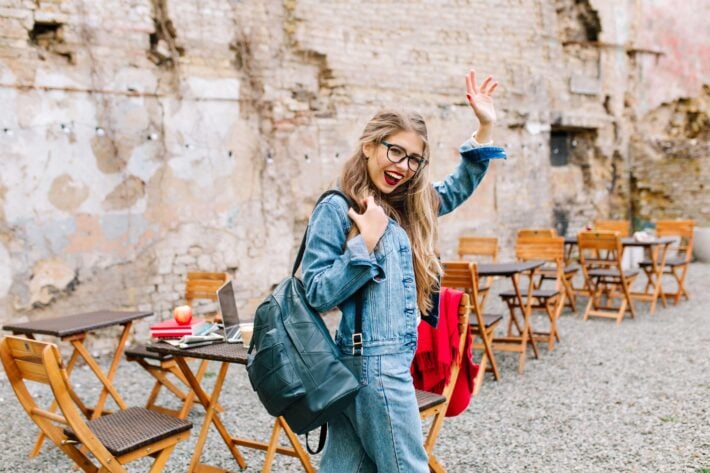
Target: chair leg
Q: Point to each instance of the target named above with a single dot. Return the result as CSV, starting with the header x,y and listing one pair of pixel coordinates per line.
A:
x,y
592,302
153,396
435,466
625,285
551,309
486,336
622,312
161,459
434,430
512,320
680,280
569,293
271,450
300,451
488,346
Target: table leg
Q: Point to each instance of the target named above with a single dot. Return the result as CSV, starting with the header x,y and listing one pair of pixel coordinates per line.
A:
x,y
78,345
293,439
654,277
658,276
511,308
211,415
112,372
526,309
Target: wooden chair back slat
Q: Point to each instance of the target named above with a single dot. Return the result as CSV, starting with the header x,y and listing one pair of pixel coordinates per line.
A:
x,y
544,248
203,285
214,276
623,227
599,241
678,228
27,359
463,275
460,275
682,228
478,246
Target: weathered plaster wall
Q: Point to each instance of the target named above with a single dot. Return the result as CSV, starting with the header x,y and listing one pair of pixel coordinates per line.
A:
x,y
670,147
148,138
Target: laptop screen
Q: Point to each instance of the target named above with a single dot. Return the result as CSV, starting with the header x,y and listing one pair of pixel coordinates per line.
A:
x,y
228,307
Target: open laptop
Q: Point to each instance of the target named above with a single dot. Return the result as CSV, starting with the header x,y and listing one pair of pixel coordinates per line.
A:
x,y
230,317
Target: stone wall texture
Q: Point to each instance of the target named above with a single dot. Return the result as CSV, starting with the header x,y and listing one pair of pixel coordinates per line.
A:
x,y
142,139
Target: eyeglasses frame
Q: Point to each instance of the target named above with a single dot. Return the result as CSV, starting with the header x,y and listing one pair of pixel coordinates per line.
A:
x,y
420,159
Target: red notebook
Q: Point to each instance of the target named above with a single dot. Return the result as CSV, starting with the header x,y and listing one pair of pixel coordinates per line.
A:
x,y
170,328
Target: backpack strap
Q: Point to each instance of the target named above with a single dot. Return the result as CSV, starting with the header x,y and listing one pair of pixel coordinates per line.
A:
x,y
321,440
302,249
357,336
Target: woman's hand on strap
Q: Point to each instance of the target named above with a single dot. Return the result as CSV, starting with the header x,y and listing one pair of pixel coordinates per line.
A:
x,y
480,100
372,223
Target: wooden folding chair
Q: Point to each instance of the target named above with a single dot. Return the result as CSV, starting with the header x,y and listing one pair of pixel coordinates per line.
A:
x,y
570,269
435,405
676,265
600,256
113,440
623,227
463,275
199,285
550,249
477,247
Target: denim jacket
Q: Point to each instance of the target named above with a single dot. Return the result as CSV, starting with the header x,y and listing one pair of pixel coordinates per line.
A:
x,y
334,269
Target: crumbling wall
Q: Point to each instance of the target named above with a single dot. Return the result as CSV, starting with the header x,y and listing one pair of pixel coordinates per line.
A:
x,y
671,156
150,138
669,147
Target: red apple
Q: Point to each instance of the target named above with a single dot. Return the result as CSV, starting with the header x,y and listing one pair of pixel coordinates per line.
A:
x,y
182,314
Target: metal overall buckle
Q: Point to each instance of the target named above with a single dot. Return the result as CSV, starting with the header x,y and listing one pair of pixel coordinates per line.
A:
x,y
357,344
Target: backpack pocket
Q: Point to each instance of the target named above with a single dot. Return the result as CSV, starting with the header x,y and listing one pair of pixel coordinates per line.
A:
x,y
274,379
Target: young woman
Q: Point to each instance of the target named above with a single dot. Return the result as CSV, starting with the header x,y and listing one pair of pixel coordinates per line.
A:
x,y
388,262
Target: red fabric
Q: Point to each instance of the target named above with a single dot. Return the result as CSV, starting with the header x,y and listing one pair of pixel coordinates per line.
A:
x,y
463,390
436,352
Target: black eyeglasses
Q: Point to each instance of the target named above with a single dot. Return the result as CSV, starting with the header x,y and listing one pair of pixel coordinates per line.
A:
x,y
396,154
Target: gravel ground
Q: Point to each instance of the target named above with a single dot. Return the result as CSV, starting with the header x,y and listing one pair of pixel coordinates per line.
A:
x,y
633,398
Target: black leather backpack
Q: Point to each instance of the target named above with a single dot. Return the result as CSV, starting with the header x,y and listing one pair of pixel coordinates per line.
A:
x,y
294,365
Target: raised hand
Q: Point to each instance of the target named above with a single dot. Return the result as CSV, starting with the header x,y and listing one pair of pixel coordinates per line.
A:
x,y
480,98
372,223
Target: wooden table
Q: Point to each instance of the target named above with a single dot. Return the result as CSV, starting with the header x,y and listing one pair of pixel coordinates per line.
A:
x,y
227,354
657,249
515,343
74,329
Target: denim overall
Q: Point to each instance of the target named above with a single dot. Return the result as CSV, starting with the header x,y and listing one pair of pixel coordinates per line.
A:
x,y
381,429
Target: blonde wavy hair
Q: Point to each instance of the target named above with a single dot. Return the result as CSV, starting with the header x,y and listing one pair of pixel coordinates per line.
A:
x,y
414,205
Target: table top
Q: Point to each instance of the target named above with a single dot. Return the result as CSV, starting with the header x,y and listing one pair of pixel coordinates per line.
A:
x,y
507,269
630,241
75,324
221,351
